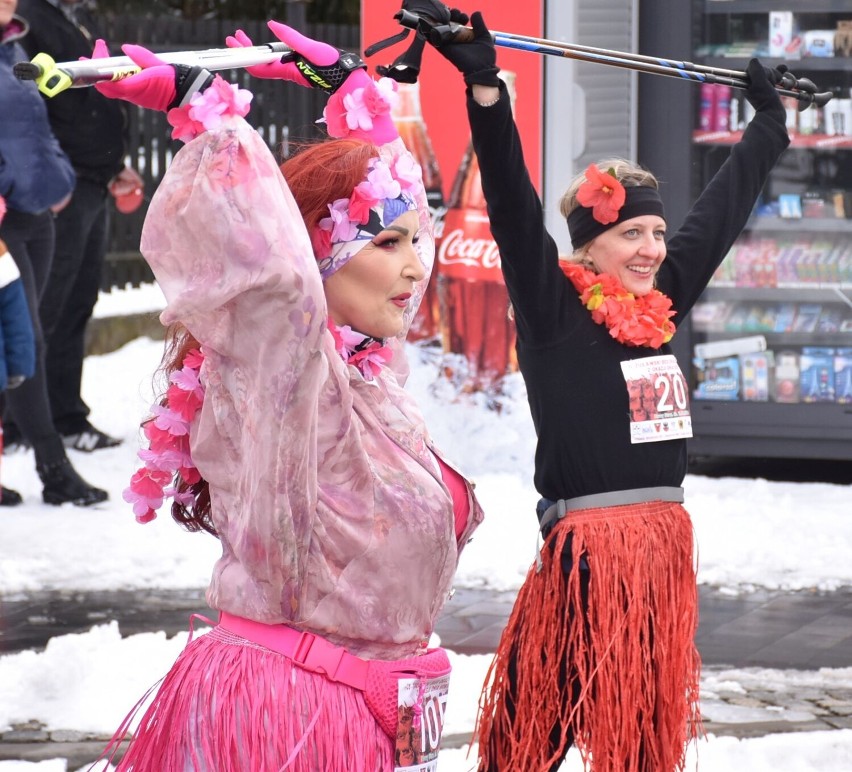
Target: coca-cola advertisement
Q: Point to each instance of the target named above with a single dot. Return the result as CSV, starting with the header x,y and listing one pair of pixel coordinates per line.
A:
x,y
466,304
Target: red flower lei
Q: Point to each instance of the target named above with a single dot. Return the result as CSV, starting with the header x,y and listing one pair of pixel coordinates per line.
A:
x,y
642,321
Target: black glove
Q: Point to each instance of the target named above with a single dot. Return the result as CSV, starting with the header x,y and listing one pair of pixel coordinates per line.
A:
x,y
476,60
761,92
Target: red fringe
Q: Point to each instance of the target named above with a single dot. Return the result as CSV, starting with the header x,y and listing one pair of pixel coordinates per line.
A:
x,y
631,657
228,705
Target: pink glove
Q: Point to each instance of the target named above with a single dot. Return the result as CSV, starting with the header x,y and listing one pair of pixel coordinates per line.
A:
x,y
160,86
154,88
315,64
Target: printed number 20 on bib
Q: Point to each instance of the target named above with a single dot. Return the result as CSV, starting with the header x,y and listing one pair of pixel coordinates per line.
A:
x,y
658,399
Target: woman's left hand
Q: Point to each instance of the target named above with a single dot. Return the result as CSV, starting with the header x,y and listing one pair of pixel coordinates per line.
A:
x,y
316,65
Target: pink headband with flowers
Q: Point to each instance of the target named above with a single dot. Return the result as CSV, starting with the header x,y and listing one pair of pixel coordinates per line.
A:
x,y
389,191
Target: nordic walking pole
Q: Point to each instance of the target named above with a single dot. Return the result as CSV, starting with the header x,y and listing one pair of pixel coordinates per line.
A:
x,y
54,77
441,33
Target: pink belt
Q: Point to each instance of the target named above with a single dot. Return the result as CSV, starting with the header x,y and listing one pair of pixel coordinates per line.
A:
x,y
308,651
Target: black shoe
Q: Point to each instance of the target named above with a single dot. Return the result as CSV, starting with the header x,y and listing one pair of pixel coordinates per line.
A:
x,y
89,440
62,484
9,498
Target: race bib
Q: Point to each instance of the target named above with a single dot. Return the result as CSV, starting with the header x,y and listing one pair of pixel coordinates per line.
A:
x,y
659,399
418,741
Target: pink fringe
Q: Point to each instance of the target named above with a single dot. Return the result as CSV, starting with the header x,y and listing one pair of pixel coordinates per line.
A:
x,y
229,705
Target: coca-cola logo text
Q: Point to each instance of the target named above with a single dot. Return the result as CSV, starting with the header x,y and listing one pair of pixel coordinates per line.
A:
x,y
457,249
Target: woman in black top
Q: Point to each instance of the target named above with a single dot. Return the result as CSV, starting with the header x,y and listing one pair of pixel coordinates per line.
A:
x,y
599,648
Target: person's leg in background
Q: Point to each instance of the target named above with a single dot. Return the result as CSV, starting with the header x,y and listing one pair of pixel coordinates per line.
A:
x,y
30,240
66,307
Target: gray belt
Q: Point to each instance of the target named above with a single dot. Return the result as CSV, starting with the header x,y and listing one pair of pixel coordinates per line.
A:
x,y
558,509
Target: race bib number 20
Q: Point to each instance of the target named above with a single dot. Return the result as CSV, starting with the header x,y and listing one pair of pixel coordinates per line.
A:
x,y
658,397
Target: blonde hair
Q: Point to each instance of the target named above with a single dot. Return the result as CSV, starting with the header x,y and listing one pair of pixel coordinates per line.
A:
x,y
627,173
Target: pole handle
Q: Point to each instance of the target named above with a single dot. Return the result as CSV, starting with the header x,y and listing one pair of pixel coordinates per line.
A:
x,y
54,77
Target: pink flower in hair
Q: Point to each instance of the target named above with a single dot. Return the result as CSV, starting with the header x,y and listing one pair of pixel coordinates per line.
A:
x,y
407,171
380,182
360,204
341,227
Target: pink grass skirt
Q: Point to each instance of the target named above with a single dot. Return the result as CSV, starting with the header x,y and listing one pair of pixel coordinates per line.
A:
x,y
230,705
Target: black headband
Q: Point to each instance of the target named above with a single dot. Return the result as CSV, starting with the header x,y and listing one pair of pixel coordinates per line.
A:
x,y
639,200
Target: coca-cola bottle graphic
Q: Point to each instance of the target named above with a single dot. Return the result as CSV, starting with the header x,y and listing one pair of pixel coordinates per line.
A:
x,y
474,302
408,118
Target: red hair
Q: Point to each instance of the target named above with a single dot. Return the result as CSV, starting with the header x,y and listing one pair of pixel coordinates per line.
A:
x,y
323,172
317,175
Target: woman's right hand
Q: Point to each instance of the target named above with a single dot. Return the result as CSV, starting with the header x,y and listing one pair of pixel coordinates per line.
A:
x,y
476,60
159,85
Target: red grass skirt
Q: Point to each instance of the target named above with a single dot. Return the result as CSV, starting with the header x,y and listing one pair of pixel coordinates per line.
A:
x,y
621,678
230,705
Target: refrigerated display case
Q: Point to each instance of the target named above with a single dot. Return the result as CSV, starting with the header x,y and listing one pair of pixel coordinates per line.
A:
x,y
769,345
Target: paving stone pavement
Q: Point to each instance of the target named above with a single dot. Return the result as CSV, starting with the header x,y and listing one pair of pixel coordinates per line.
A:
x,y
763,653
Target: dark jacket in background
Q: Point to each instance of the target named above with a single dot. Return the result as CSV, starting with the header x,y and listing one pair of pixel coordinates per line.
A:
x,y
34,172
90,127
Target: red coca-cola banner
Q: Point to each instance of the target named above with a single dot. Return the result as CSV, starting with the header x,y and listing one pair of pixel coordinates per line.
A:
x,y
442,88
467,250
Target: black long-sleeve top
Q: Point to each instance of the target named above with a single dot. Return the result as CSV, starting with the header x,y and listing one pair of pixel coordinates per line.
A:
x,y
570,364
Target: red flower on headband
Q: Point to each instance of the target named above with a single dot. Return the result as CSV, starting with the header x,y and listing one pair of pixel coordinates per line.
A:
x,y
602,193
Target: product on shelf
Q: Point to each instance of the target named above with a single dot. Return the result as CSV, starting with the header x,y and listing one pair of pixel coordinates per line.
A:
x,y
807,317
843,38
786,380
784,40
718,379
816,374
756,369
785,317
843,376
727,348
818,42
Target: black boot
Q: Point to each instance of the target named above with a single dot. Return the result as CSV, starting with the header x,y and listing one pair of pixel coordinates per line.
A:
x,y
9,498
63,484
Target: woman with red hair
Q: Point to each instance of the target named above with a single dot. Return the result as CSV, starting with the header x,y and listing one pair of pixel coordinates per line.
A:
x,y
286,430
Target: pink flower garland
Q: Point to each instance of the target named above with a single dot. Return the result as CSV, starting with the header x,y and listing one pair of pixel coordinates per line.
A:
x,y
207,109
168,437
367,354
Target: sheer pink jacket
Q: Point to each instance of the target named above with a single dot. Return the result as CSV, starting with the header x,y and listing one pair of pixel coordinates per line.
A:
x,y
329,503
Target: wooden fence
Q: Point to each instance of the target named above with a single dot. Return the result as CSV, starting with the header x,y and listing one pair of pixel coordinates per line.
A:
x,y
280,111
